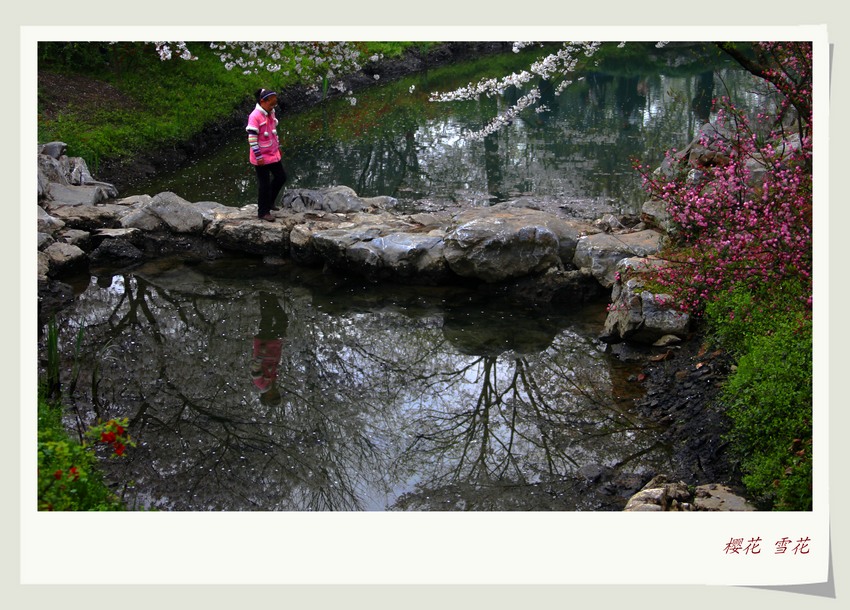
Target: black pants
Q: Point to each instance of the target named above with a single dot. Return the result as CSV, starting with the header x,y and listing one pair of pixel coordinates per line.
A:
x,y
270,179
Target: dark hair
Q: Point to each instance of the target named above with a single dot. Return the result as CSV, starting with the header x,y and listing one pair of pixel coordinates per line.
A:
x,y
262,93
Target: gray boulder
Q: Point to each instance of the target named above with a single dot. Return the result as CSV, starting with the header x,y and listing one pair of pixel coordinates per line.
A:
x,y
602,252
44,240
89,217
378,246
212,210
143,220
400,256
660,494
75,237
70,194
246,233
301,247
655,213
53,149
494,253
42,266
661,318
67,180
411,255
696,154
638,315
50,169
77,173
625,314
506,241
337,199
167,211
116,250
333,245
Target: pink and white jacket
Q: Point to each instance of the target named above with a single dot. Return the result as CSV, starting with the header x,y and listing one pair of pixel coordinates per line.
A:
x,y
262,136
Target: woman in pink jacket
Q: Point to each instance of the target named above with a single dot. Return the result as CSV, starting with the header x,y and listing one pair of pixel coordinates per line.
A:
x,y
265,152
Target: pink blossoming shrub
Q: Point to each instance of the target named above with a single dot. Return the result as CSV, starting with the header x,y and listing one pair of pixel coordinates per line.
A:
x,y
747,221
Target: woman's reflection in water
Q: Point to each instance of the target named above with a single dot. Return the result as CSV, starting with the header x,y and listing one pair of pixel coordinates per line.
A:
x,y
268,344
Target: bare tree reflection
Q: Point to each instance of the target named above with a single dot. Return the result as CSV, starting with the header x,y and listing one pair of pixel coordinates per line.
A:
x,y
529,421
376,398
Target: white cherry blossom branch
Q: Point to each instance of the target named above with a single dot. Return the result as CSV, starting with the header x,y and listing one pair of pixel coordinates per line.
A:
x,y
559,64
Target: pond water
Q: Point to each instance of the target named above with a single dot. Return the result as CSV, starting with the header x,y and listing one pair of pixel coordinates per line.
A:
x,y
383,397
395,142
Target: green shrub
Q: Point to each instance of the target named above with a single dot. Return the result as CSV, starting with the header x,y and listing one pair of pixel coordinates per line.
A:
x,y
68,475
769,394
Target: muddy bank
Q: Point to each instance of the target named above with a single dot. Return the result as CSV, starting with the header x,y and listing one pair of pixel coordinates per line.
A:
x,y
682,393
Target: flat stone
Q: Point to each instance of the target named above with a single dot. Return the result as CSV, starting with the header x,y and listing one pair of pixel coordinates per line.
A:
x,y
48,223
643,507
125,232
667,340
69,194
89,217
714,497
253,236
63,256
75,237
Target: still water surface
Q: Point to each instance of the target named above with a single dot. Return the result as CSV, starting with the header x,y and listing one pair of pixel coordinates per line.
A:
x,y
385,397
395,142
380,398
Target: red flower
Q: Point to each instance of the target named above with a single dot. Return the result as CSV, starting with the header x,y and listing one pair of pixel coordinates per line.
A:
x,y
57,475
119,430
107,437
74,473
119,449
